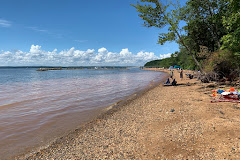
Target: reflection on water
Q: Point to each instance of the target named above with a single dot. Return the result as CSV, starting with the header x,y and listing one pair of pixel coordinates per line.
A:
x,y
36,107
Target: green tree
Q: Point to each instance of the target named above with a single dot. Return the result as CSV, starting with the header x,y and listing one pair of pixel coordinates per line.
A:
x,y
181,58
155,14
204,21
204,26
231,22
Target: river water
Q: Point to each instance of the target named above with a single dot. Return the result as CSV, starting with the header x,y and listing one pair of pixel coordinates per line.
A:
x,y
37,107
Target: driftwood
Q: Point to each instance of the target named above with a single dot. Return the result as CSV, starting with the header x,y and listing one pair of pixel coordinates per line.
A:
x,y
208,77
232,77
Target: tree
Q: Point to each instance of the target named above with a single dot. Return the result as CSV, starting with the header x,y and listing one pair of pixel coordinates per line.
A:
x,y
155,14
204,24
178,58
231,22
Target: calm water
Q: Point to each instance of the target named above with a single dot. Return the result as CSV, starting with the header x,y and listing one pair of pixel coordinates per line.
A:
x,y
37,107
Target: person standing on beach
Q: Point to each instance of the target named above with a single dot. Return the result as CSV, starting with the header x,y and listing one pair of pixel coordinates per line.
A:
x,y
171,74
181,74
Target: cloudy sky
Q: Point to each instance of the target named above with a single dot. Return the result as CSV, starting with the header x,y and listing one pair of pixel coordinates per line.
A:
x,y
76,32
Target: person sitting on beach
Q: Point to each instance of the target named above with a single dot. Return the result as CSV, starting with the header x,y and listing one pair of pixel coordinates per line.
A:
x,y
168,81
174,82
190,76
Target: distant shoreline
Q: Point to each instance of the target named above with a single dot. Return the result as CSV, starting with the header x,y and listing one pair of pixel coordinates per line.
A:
x,y
69,66
72,68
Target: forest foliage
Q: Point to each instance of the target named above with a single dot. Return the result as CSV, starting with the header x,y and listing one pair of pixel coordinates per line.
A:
x,y
209,41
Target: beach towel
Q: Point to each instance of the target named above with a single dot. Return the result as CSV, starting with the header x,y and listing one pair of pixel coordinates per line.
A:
x,y
234,98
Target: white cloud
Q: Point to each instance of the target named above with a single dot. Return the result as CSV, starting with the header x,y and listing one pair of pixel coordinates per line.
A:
x,y
35,49
5,23
125,52
73,57
102,50
165,55
37,29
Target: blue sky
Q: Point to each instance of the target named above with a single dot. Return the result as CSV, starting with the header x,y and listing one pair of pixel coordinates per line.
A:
x,y
54,26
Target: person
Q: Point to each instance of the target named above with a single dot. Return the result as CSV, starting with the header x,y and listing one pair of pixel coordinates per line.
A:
x,y
168,81
190,76
181,74
171,74
174,82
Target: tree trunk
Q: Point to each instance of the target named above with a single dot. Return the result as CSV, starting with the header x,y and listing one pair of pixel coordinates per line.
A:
x,y
198,64
190,52
214,27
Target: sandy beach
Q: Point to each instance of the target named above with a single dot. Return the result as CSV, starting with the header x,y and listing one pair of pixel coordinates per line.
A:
x,y
166,122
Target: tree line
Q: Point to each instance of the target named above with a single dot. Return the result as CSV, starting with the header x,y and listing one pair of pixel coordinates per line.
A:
x,y
209,41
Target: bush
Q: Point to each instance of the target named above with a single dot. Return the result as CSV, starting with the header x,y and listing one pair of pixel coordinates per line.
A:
x,y
221,66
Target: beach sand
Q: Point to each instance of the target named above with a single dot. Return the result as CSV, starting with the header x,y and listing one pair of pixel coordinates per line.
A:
x,y
166,122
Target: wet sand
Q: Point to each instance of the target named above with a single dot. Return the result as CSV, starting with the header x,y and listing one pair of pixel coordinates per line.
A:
x,y
166,122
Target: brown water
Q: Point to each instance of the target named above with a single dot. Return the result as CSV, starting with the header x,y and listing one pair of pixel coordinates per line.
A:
x,y
35,111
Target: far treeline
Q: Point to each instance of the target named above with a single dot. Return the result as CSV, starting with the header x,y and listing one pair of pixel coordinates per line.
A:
x,y
209,41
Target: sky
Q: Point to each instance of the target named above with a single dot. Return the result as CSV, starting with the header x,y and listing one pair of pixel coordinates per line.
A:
x,y
77,33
